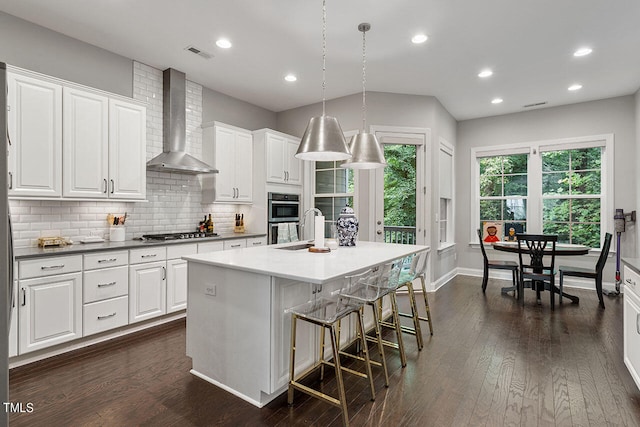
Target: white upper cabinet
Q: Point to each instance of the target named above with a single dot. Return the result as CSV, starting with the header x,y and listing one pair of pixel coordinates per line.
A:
x,y
127,150
70,141
35,132
230,149
86,144
279,153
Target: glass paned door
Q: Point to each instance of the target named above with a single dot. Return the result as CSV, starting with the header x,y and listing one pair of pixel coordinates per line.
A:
x,y
399,212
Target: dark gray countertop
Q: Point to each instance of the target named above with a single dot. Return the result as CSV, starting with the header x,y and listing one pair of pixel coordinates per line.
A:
x,y
81,248
633,263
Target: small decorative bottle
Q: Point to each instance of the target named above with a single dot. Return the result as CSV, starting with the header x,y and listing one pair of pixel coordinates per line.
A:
x,y
209,225
347,226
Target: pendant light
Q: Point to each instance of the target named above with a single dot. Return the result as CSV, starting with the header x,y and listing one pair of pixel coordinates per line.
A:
x,y
366,151
323,140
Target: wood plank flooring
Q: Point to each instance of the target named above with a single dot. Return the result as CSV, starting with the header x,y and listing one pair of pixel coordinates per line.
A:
x,y
490,362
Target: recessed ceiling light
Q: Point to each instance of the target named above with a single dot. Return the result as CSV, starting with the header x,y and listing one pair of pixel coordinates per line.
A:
x,y
290,78
496,100
582,51
575,87
419,38
223,43
485,73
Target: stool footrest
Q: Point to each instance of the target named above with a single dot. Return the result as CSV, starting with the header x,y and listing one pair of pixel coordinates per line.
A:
x,y
311,392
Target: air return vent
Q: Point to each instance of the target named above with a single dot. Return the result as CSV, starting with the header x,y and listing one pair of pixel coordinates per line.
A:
x,y
199,52
535,104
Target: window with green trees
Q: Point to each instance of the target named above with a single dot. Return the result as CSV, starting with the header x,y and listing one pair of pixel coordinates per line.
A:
x,y
571,190
334,190
562,187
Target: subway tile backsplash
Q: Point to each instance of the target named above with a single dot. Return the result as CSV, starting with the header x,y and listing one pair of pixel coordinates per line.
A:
x,y
173,200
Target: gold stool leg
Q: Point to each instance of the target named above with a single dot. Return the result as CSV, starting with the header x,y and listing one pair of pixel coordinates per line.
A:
x,y
426,304
338,368
414,315
365,352
292,359
398,326
376,321
321,358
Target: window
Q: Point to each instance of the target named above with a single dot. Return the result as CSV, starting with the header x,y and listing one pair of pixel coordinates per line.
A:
x,y
503,194
552,187
333,191
445,186
571,191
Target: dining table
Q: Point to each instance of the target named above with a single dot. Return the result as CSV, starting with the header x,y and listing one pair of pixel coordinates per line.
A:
x,y
562,249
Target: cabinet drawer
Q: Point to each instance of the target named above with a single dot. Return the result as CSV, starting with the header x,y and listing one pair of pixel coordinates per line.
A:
x,y
137,256
631,281
210,247
106,283
178,251
256,241
103,315
49,266
105,259
235,244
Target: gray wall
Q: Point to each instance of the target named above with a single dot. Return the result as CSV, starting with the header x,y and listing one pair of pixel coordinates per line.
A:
x,y
36,48
637,206
615,115
223,108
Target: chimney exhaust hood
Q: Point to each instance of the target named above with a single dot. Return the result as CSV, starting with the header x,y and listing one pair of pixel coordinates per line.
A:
x,y
174,158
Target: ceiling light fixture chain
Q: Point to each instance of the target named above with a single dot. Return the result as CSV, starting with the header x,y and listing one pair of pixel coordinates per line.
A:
x,y
364,28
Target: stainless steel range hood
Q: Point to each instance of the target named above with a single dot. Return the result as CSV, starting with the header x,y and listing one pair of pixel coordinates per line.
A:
x,y
174,158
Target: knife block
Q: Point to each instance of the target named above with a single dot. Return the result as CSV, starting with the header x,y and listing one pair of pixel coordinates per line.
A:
x,y
238,229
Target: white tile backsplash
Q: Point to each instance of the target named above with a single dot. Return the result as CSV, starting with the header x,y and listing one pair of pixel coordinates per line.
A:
x,y
174,200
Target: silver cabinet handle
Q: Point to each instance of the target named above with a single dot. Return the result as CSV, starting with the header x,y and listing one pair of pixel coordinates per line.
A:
x,y
24,297
107,260
236,246
638,323
10,180
164,273
256,243
107,316
149,256
104,285
52,267
113,186
105,185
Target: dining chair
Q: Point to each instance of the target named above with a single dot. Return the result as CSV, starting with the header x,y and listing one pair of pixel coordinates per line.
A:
x,y
589,273
497,265
537,256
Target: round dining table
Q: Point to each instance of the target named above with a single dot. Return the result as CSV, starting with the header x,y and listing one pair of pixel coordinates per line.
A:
x,y
562,249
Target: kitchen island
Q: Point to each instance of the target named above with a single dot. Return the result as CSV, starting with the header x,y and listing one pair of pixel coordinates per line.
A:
x,y
238,330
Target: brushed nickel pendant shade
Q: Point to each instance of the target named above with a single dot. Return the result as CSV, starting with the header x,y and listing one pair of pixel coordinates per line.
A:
x,y
366,151
323,140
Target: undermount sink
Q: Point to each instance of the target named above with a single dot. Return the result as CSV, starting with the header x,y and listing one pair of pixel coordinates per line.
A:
x,y
297,247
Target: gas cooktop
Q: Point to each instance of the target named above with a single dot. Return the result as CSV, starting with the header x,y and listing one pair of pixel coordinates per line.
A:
x,y
178,236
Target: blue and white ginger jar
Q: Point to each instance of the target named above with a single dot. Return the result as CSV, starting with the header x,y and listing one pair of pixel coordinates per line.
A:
x,y
347,226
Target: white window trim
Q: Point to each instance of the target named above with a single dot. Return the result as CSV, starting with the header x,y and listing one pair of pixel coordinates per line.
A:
x,y
534,189
448,148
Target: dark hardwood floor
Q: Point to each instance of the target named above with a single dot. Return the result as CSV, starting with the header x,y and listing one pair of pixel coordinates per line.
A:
x,y
490,362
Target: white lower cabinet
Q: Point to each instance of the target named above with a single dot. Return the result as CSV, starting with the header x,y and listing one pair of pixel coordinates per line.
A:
x,y
235,244
631,323
50,311
105,291
147,284
177,276
210,247
256,241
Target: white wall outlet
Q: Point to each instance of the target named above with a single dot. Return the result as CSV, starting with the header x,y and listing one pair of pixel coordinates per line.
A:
x,y
210,290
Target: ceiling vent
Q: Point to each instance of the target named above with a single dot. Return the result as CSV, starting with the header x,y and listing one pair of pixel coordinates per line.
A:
x,y
536,104
199,52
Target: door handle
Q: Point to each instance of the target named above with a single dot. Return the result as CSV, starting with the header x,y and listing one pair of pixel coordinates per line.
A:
x,y
164,273
113,186
379,232
24,297
379,222
10,180
107,316
105,186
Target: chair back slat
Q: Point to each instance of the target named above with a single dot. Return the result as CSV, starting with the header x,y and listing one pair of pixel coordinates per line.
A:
x,y
537,246
602,260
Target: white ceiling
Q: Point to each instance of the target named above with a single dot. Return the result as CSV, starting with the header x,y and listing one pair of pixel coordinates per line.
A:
x,y
528,44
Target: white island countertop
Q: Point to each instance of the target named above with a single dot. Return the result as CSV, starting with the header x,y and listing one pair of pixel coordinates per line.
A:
x,y
307,266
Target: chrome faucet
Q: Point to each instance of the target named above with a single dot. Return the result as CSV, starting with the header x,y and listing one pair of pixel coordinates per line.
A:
x,y
317,211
